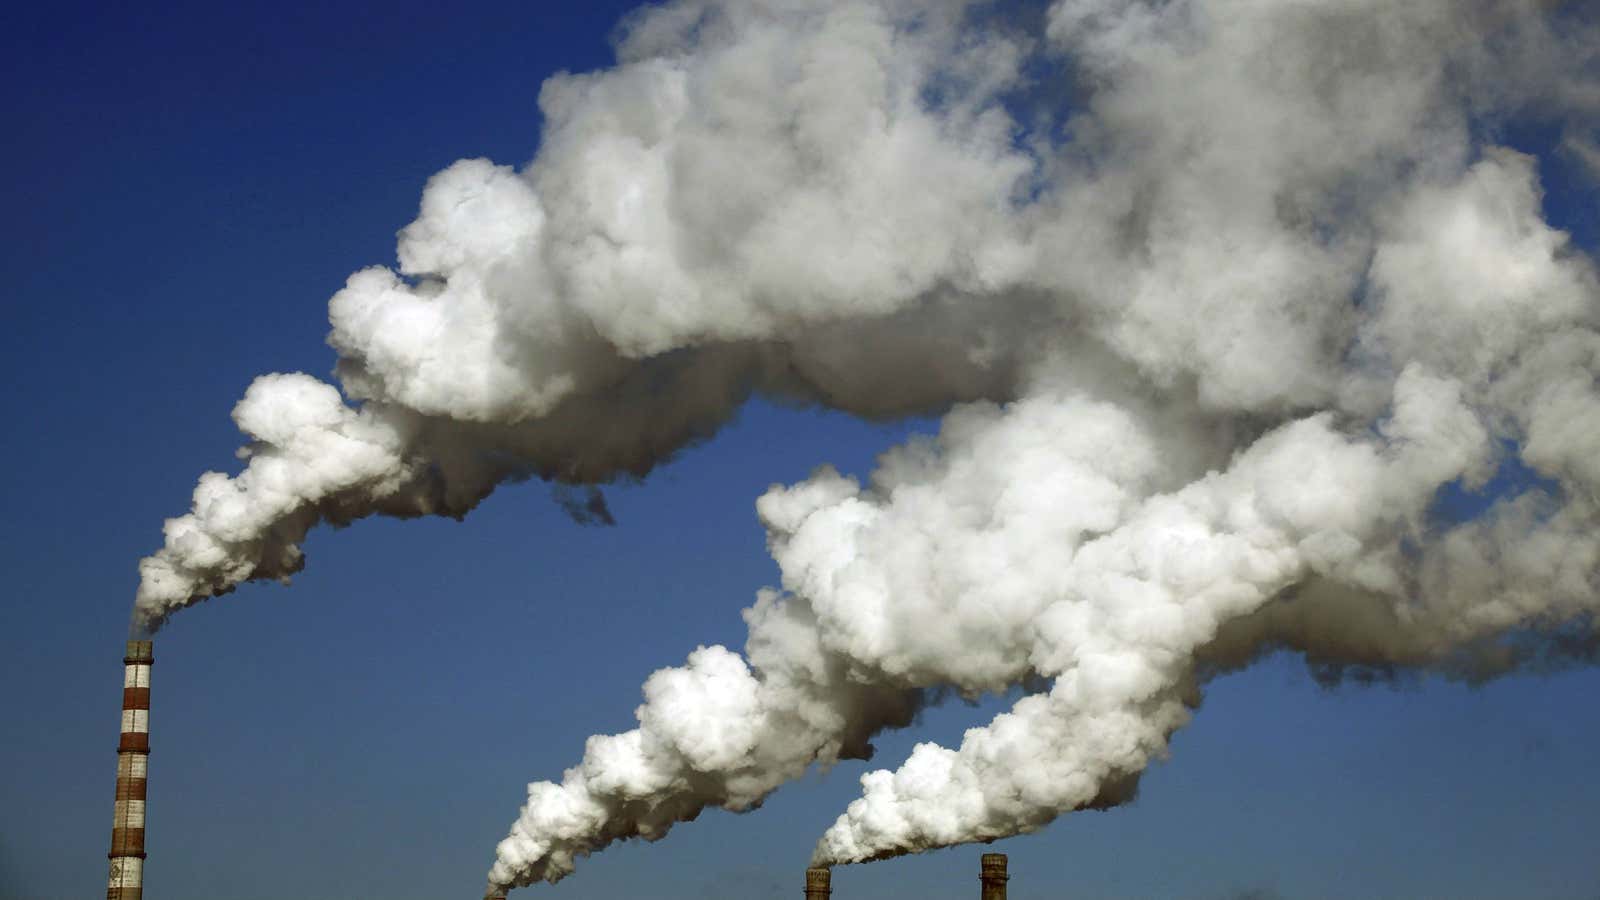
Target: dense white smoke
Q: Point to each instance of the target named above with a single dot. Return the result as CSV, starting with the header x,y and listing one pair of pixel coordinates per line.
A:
x,y
1216,297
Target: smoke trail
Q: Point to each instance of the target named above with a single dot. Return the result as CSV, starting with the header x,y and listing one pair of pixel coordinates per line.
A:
x,y
691,231
1215,297
587,507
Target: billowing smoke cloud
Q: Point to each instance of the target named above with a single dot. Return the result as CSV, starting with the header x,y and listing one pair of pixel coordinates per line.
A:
x,y
1217,298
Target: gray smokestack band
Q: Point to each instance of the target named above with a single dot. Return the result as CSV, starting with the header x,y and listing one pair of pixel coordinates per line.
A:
x,y
993,875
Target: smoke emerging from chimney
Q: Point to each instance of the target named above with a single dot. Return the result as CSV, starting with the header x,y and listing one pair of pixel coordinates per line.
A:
x,y
1215,298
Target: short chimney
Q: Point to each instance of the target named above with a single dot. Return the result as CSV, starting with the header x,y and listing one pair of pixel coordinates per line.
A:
x,y
994,876
818,883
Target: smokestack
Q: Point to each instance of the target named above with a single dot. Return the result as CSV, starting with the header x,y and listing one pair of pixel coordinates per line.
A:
x,y
993,876
133,753
819,883
495,894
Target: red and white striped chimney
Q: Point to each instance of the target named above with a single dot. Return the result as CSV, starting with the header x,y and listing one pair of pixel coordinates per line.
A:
x,y
133,754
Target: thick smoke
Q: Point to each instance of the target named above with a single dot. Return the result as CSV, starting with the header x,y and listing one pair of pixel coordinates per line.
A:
x,y
1217,299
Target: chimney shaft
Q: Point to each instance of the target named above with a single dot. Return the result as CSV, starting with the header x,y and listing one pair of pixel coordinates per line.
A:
x,y
819,884
133,754
994,876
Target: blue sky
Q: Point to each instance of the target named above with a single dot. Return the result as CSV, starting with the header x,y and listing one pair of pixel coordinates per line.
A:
x,y
186,187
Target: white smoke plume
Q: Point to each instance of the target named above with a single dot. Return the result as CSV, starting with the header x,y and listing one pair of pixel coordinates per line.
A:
x,y
1216,297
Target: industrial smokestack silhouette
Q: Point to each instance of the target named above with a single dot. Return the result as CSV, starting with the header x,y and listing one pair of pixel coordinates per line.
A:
x,y
133,753
993,875
819,883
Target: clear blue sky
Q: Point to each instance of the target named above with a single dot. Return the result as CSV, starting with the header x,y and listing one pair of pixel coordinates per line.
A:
x,y
184,188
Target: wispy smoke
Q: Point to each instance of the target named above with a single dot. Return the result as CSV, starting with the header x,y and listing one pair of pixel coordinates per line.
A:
x,y
1585,151
1215,297
585,505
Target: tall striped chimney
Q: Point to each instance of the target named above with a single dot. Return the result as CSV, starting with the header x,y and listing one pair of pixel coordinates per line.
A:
x,y
819,883
133,752
993,876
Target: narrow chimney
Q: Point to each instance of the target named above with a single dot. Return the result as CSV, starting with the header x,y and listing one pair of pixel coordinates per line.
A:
x,y
133,754
818,884
994,876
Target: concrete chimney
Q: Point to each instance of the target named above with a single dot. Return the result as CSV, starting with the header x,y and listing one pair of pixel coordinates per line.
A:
x,y
819,884
993,876
133,754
